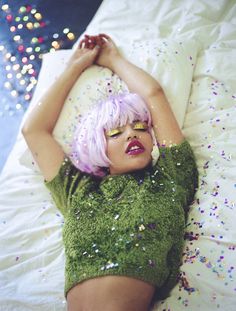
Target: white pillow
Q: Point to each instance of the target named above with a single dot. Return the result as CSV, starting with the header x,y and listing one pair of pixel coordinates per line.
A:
x,y
170,62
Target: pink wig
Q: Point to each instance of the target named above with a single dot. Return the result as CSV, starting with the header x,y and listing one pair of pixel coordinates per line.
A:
x,y
89,146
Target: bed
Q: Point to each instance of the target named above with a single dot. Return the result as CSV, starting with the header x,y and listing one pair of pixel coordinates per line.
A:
x,y
190,47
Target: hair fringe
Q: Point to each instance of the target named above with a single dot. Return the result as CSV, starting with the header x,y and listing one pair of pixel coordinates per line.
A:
x,y
89,145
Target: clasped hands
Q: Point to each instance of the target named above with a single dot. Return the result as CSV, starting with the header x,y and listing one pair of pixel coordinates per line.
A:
x,y
99,49
89,42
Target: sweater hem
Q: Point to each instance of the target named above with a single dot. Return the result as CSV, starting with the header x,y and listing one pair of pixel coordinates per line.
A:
x,y
113,273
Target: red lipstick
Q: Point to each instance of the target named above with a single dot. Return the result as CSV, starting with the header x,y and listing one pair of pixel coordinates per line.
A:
x,y
134,148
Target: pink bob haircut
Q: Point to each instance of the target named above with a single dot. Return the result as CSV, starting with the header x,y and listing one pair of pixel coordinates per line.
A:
x,y
89,146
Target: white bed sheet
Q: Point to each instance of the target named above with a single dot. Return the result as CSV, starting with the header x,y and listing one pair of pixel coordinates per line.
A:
x,y
32,256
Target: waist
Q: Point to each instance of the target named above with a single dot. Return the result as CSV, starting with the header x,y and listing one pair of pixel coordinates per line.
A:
x,y
118,290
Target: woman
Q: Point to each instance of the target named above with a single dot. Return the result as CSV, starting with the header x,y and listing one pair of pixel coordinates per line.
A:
x,y
124,218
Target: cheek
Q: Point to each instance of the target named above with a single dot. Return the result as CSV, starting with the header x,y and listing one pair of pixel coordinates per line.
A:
x,y
150,147
113,147
148,139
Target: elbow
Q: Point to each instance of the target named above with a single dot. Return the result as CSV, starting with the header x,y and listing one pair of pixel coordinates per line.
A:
x,y
31,127
26,129
26,133
154,92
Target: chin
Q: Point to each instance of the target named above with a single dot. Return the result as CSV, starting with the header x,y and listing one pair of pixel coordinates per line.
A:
x,y
139,165
135,164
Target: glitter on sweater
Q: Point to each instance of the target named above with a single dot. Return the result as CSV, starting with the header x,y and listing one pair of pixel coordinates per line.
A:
x,y
119,226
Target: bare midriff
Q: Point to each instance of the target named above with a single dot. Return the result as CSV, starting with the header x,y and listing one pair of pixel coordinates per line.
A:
x,y
110,293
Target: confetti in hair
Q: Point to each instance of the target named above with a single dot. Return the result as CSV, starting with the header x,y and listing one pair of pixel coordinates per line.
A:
x,y
89,146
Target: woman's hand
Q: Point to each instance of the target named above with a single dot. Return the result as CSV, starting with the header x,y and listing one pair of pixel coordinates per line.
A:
x,y
108,52
83,57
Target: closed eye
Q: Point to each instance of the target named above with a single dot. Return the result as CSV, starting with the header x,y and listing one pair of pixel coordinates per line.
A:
x,y
140,126
113,132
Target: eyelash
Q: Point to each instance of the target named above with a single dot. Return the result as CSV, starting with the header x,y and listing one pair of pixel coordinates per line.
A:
x,y
143,127
140,129
117,132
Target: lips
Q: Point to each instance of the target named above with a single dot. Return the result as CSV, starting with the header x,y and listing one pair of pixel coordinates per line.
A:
x,y
134,148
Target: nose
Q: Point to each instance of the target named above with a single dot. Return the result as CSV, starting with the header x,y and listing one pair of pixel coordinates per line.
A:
x,y
131,133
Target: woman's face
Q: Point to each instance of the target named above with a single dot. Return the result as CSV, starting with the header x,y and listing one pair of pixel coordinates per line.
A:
x,y
129,147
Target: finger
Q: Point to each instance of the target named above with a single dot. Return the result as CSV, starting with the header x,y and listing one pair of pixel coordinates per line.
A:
x,y
90,45
82,43
99,41
85,41
89,42
90,38
94,52
96,48
93,39
105,36
106,39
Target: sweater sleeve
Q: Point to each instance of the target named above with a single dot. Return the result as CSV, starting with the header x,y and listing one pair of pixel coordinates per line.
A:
x,y
64,184
178,161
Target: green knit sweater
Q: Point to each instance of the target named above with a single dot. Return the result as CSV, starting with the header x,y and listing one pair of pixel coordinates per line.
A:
x,y
131,224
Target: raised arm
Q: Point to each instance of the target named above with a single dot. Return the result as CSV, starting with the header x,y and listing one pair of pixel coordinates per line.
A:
x,y
165,126
38,127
